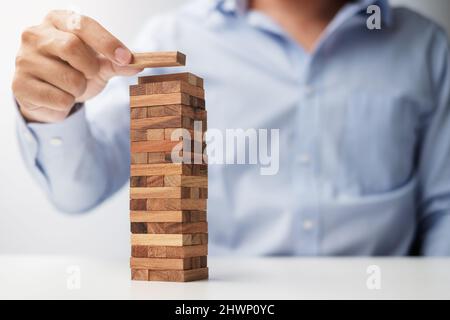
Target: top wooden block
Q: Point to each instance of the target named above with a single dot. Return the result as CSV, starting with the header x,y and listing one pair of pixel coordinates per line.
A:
x,y
185,76
158,60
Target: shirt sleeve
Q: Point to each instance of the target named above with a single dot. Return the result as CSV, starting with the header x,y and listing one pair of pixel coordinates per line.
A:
x,y
79,162
434,165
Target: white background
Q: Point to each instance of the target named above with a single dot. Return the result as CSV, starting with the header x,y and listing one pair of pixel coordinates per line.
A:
x,y
28,224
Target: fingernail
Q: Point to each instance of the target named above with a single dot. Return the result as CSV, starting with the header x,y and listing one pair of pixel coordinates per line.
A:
x,y
122,56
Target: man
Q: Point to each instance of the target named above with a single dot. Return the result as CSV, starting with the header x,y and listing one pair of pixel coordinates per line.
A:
x,y
364,119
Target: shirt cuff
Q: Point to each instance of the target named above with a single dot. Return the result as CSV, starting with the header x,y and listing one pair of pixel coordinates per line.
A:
x,y
43,140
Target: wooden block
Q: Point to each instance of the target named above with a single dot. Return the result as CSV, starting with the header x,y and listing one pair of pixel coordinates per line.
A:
x,y
167,216
158,252
155,134
139,158
139,228
161,100
176,228
176,204
186,181
179,276
197,216
167,87
138,113
186,252
160,193
157,157
162,123
138,135
200,170
158,60
139,251
139,275
165,263
169,252
153,146
136,182
168,240
187,77
160,169
172,110
154,181
138,205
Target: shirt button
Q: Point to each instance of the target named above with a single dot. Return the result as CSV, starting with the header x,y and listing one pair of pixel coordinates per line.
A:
x,y
304,159
56,142
308,225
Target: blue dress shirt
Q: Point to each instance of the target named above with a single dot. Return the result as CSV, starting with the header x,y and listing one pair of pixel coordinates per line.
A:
x,y
364,132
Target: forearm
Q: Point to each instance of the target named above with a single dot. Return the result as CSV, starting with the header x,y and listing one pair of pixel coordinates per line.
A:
x,y
77,169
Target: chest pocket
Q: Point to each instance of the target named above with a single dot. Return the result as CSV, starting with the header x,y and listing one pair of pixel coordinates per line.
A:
x,y
379,141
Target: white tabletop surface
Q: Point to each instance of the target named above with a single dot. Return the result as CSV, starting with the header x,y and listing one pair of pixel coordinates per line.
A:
x,y
44,277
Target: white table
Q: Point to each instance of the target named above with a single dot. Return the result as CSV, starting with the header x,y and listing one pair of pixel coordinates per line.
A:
x,y
45,277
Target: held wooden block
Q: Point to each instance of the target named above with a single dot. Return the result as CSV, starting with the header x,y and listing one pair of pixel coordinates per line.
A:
x,y
167,264
186,76
179,276
167,88
176,204
169,240
167,216
169,252
158,60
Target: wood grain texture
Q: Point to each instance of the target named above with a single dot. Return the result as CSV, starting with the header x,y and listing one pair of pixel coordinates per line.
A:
x,y
172,110
160,193
166,99
154,146
170,275
160,169
167,88
186,181
158,60
176,204
139,158
159,100
185,76
167,264
168,240
169,252
139,275
179,276
138,113
167,216
162,123
176,228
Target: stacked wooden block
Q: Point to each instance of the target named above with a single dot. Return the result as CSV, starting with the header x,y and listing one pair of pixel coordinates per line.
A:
x,y
168,197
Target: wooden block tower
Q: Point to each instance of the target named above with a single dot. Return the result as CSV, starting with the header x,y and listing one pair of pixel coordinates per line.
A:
x,y
168,197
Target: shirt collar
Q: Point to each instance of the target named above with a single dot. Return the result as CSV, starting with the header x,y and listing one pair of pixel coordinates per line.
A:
x,y
240,8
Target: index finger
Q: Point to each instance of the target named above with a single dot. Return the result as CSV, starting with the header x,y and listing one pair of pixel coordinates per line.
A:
x,y
93,34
